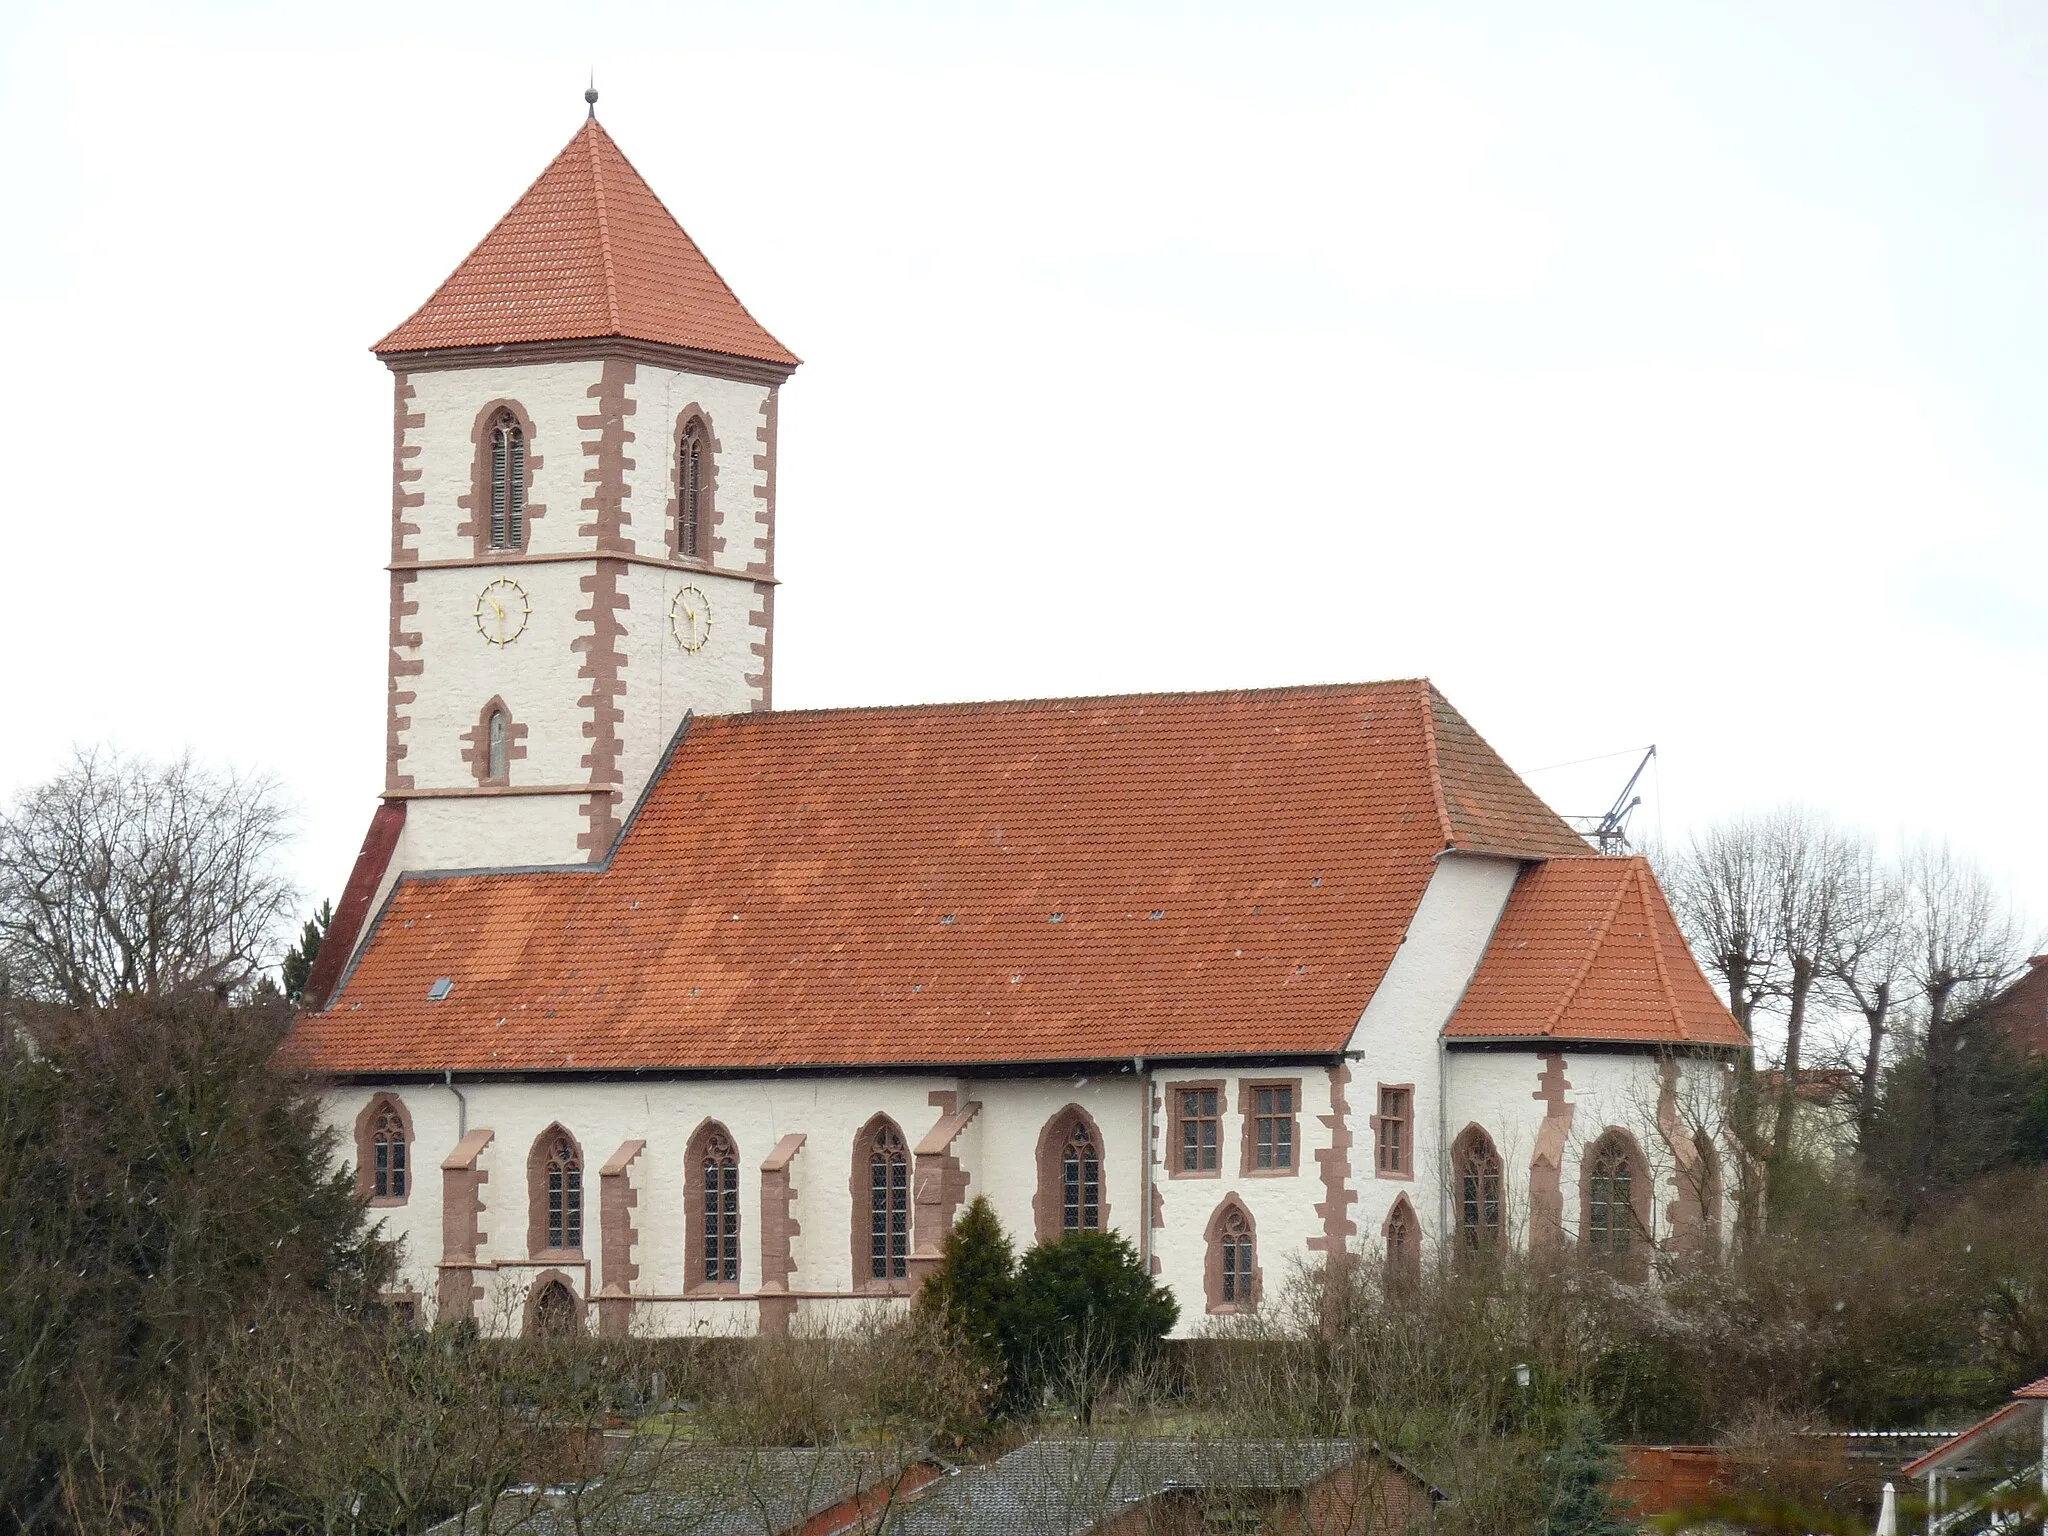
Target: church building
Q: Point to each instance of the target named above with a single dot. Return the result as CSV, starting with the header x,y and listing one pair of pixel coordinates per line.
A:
x,y
650,1006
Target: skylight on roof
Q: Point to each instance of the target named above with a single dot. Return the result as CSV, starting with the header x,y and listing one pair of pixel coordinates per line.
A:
x,y
442,986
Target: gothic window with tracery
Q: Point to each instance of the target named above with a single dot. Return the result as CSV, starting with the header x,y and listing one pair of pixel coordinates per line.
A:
x,y
1478,1171
1080,1181
719,1176
1610,1213
1404,1244
564,1173
508,483
888,1205
1238,1257
387,1153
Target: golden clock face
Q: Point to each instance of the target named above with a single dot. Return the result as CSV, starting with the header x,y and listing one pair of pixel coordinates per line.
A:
x,y
502,611
689,619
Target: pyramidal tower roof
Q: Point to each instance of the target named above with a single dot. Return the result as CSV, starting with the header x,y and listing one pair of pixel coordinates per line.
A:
x,y
588,252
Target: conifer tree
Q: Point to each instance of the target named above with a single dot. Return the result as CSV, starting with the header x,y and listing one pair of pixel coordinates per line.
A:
x,y
298,960
1580,1470
973,1287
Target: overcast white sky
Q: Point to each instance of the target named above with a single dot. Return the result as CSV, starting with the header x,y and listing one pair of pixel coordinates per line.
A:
x,y
1641,373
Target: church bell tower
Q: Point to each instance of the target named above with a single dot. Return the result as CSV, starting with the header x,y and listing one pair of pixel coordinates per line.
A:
x,y
583,522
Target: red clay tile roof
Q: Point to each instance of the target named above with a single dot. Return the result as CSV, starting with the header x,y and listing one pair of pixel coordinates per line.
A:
x,y
588,252
1181,875
1587,949
2033,1389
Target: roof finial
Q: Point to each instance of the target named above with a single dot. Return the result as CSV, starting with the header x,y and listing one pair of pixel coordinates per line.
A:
x,y
590,95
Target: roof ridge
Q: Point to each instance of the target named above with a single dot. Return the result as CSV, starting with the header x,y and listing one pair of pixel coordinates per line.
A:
x,y
591,136
1639,871
1593,949
1276,691
1423,691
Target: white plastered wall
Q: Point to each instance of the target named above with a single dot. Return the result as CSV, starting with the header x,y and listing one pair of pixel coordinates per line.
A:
x,y
536,675
998,1151
1498,1089
1399,1037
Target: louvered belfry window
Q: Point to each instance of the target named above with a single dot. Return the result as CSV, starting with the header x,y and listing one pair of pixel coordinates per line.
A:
x,y
689,491
889,1206
497,747
508,484
721,1174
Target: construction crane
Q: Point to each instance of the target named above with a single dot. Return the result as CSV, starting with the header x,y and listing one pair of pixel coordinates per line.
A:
x,y
1608,832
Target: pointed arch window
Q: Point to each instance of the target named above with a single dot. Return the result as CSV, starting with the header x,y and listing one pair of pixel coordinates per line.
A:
x,y
384,1151
690,491
508,483
1615,1194
1404,1245
387,1142
555,1172
497,747
1080,1181
1477,1168
888,1204
716,1173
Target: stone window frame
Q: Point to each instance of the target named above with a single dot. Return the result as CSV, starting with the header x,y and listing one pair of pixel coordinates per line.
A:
x,y
695,1212
537,1160
865,1147
1048,1200
1176,1119
476,527
476,744
1633,1257
1212,1259
543,1282
1403,1263
366,1150
694,418
1247,1110
1476,1142
1405,1164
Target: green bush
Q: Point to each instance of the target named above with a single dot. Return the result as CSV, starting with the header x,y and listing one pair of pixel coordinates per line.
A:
x,y
1084,1316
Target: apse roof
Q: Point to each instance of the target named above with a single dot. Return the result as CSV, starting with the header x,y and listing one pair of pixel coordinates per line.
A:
x,y
1587,949
588,252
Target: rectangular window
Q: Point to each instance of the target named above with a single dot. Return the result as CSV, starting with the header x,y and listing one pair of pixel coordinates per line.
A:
x,y
1395,1126
1198,1111
1269,1115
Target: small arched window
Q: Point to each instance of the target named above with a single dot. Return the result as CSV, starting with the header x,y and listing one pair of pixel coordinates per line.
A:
x,y
1610,1220
689,490
888,1204
508,483
387,1151
496,763
718,1178
1239,1257
1404,1245
555,1312
1477,1168
1080,1181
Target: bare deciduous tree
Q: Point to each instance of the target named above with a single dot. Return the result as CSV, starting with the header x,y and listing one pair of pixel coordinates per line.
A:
x,y
122,877
1869,968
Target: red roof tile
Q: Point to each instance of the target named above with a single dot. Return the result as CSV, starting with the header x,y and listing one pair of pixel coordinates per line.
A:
x,y
2033,1389
588,252
1587,949
1181,875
